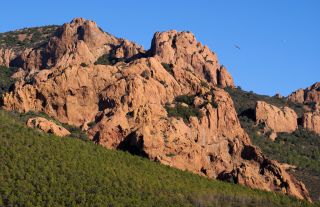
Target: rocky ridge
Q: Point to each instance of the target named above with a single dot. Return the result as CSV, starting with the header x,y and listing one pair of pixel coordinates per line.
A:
x,y
128,99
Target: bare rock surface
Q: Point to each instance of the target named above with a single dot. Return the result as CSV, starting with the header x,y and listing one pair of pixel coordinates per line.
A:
x,y
47,126
128,103
311,121
276,119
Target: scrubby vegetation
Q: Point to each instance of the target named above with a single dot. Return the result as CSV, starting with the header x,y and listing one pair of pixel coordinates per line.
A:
x,y
301,148
168,67
108,59
6,82
27,38
76,132
244,100
37,169
184,108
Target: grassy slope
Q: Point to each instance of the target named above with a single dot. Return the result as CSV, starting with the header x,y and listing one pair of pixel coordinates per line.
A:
x,y
43,170
301,148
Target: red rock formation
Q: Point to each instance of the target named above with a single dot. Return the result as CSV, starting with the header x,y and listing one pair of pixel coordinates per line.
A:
x,y
311,121
182,50
6,56
127,101
276,119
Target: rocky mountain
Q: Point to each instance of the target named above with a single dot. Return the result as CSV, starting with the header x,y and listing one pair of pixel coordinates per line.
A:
x,y
167,103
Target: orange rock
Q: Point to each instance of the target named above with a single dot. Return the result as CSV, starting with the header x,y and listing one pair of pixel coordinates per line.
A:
x,y
311,121
47,126
6,56
182,50
276,119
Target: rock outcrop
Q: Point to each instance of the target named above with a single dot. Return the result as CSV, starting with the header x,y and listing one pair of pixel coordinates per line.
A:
x,y
311,121
275,119
182,50
310,95
47,126
6,56
129,99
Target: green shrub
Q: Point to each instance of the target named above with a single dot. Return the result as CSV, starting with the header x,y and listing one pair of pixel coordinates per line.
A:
x,y
187,99
109,59
6,82
168,67
183,112
103,60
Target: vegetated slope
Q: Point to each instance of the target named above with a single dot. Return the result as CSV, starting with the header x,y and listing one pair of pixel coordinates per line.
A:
x,y
27,38
300,148
37,169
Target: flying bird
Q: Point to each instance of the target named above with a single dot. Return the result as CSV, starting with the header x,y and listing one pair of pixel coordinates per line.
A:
x,y
237,46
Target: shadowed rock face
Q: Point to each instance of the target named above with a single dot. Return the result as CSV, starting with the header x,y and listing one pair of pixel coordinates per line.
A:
x,y
128,103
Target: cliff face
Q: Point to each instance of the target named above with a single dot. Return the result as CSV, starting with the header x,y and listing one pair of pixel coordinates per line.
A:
x,y
276,119
134,103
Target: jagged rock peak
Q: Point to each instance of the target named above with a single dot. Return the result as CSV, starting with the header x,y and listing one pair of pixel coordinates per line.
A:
x,y
182,50
78,42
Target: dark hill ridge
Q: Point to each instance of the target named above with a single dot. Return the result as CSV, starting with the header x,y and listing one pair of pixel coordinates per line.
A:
x,y
166,104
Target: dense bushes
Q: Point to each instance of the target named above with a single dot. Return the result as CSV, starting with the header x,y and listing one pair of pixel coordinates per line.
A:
x,y
43,170
6,82
168,67
108,59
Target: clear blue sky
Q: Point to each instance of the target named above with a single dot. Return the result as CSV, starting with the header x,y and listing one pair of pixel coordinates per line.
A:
x,y
279,39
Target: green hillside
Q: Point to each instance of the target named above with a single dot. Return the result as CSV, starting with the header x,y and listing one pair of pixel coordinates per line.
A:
x,y
37,169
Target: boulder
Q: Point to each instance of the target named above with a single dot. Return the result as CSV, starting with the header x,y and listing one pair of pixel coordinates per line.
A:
x,y
47,126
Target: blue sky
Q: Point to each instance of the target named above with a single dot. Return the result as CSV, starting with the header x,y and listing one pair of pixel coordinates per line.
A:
x,y
279,40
